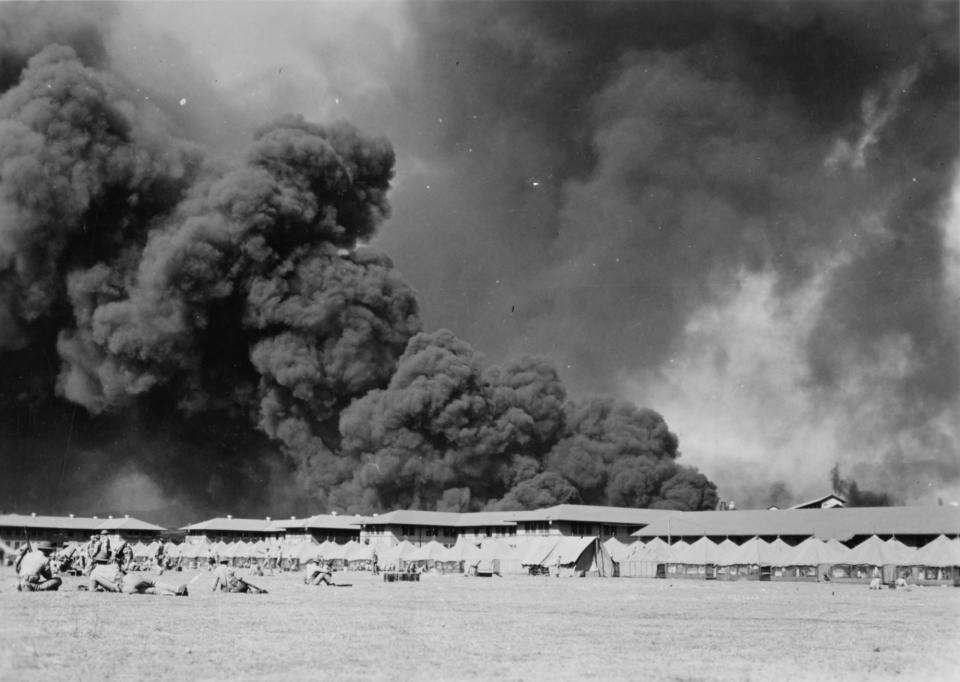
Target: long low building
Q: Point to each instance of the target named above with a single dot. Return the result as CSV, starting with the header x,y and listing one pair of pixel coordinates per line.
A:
x,y
230,529
16,529
914,526
565,519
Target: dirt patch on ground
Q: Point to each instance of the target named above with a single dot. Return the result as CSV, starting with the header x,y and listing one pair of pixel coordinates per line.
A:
x,y
451,627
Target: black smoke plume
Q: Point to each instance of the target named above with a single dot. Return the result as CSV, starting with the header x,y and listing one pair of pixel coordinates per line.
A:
x,y
850,490
185,297
450,433
181,332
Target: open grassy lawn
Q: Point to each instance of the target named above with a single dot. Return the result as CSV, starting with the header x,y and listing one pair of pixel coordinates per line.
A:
x,y
450,627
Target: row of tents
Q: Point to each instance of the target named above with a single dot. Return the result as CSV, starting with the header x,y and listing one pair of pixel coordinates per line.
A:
x,y
581,555
937,561
811,559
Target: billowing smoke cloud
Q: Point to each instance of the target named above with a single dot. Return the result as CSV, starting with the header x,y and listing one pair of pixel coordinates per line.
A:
x,y
206,315
854,495
186,291
670,203
449,433
661,169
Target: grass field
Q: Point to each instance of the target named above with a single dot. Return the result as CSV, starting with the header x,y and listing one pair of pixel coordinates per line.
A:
x,y
450,627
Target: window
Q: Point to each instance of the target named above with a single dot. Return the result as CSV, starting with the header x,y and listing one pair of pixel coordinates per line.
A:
x,y
581,528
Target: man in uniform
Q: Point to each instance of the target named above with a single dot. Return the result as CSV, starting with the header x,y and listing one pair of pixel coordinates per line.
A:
x,y
317,573
226,580
144,584
106,575
123,556
33,569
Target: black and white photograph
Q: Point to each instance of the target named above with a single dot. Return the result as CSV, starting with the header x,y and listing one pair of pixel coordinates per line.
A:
x,y
480,340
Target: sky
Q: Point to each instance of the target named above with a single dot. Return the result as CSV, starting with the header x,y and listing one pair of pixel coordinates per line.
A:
x,y
743,215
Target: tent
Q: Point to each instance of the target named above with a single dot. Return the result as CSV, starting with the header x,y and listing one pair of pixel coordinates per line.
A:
x,y
360,557
617,550
757,552
701,553
190,550
578,556
431,552
875,552
460,550
393,559
940,552
816,552
656,550
534,553
484,560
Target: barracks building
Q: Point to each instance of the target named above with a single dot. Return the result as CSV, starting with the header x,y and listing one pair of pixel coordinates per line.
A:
x,y
824,519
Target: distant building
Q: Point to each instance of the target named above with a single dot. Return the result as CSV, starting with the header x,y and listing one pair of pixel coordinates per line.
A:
x,y
914,526
831,501
15,529
565,519
229,529
323,527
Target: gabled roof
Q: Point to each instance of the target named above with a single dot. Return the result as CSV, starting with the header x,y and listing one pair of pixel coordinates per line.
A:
x,y
819,502
128,523
413,517
583,513
231,524
594,514
329,521
87,523
60,522
839,523
487,518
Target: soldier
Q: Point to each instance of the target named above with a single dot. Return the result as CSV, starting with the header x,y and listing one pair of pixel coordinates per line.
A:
x,y
132,584
99,548
33,569
317,573
123,556
106,575
226,580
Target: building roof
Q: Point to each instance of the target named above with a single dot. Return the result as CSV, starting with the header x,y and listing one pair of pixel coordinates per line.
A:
x,y
324,521
594,514
562,512
488,518
832,500
87,523
838,523
128,523
413,517
223,524
60,522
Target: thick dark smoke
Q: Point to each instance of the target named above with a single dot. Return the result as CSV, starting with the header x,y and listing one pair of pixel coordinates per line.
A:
x,y
187,300
179,331
736,212
855,497
449,433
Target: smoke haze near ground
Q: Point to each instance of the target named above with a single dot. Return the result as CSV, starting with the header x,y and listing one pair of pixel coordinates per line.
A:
x,y
741,215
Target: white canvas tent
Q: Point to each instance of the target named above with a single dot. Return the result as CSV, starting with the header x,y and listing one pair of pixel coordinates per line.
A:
x,y
579,556
617,550
876,552
940,552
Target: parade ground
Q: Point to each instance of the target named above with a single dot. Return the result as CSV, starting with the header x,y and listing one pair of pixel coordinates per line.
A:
x,y
451,627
